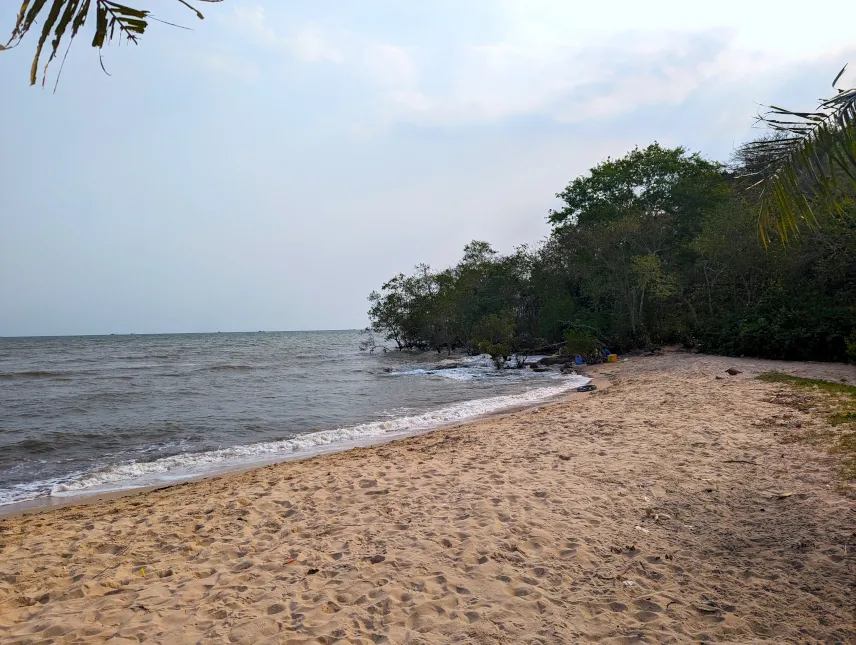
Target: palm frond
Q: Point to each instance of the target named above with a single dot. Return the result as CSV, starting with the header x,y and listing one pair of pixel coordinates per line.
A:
x,y
112,20
809,156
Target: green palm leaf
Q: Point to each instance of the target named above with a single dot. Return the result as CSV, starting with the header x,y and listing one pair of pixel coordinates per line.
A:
x,y
112,20
810,157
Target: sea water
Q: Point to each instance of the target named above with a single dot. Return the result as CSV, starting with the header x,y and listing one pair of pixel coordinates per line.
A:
x,y
93,414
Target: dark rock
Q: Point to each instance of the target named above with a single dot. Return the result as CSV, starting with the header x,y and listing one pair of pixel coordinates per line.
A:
x,y
719,378
556,360
732,372
540,369
447,366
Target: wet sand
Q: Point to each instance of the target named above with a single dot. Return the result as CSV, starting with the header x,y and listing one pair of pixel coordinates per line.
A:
x,y
668,507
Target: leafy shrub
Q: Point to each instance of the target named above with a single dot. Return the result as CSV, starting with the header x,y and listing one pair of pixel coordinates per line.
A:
x,y
582,343
493,335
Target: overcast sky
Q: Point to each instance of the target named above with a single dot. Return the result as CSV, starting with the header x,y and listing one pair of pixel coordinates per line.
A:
x,y
270,168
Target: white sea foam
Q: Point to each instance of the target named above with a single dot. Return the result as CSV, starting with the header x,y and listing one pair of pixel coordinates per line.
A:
x,y
469,368
133,474
454,373
24,492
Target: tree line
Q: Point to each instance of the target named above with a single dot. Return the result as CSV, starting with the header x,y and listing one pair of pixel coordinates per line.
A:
x,y
660,246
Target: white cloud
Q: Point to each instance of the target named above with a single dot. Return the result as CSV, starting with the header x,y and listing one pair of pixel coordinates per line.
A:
x,y
382,65
312,45
389,64
578,81
230,67
595,79
252,21
309,43
545,60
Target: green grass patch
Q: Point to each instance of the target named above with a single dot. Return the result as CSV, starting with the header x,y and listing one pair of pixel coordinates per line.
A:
x,y
847,443
837,401
840,418
848,469
829,387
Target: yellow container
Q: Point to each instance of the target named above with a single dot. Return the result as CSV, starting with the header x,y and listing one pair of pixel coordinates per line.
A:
x,y
612,358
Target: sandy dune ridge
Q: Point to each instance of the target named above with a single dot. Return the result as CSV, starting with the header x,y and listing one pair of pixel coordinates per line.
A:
x,y
664,509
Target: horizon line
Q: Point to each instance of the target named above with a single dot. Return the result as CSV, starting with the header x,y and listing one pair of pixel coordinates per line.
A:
x,y
183,333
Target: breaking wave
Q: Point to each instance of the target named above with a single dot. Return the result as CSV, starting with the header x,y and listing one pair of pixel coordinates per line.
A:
x,y
135,474
8,376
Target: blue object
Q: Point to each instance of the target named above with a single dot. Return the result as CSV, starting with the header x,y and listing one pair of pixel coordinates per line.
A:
x,y
579,360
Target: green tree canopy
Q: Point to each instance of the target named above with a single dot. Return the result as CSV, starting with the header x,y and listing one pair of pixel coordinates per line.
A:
x,y
652,181
659,246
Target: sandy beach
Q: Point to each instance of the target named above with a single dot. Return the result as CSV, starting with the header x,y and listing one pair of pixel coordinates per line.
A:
x,y
668,507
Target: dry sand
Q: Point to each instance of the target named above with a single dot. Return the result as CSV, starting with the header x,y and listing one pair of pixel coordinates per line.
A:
x,y
665,508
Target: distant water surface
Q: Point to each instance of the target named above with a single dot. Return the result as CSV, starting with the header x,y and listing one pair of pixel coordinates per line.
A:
x,y
80,415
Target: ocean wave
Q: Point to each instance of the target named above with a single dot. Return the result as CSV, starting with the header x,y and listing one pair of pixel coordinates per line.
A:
x,y
143,357
134,474
25,492
455,374
226,368
8,376
33,446
467,368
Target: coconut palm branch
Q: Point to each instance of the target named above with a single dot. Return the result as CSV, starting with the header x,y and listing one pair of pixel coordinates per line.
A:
x,y
810,156
61,19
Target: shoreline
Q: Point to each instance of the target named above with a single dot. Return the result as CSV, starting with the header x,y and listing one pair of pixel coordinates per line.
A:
x,y
670,506
49,503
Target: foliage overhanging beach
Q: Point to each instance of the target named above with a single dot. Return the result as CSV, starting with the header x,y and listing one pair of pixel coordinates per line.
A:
x,y
657,247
